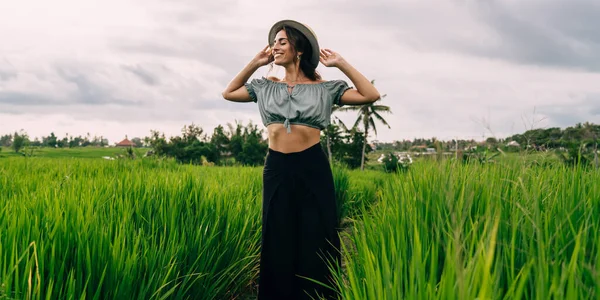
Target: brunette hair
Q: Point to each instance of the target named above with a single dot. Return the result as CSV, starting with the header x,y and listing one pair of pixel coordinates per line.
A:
x,y
300,43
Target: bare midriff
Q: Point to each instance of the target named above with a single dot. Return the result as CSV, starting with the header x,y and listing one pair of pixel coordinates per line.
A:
x,y
301,137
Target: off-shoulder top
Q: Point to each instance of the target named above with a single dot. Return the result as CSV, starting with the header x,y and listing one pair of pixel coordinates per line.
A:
x,y
307,104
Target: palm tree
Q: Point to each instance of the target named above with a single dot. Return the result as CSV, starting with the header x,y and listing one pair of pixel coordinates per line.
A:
x,y
367,114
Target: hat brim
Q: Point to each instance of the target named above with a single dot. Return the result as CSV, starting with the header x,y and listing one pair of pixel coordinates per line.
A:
x,y
306,31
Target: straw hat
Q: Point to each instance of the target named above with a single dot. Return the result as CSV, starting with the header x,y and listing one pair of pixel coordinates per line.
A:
x,y
306,31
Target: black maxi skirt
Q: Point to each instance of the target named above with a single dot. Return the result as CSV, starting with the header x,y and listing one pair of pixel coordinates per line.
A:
x,y
299,226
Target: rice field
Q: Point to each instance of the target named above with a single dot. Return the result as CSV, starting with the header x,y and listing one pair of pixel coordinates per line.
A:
x,y
74,228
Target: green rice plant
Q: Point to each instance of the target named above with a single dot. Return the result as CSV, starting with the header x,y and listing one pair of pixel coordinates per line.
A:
x,y
363,190
143,229
501,231
341,180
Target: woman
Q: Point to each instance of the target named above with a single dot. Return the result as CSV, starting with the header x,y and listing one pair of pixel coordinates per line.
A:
x,y
299,219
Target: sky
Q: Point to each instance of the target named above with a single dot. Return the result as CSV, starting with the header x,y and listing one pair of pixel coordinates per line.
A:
x,y
449,69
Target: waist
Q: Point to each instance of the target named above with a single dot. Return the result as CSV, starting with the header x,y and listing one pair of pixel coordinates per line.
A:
x,y
300,138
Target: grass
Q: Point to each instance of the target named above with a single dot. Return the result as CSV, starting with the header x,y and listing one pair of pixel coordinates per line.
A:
x,y
123,230
154,229
78,152
498,231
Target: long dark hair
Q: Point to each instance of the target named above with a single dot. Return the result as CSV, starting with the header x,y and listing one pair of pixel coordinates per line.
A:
x,y
300,43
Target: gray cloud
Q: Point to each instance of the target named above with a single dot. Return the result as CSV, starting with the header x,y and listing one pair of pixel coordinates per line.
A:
x,y
6,75
144,75
7,70
221,53
547,33
17,98
88,91
579,111
554,33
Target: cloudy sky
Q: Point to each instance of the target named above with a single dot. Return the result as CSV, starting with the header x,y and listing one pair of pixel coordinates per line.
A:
x,y
455,68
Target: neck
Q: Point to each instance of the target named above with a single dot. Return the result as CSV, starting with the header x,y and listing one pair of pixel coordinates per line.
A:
x,y
293,73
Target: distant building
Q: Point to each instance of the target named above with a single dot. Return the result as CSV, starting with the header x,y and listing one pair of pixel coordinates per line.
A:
x,y
125,143
419,148
513,144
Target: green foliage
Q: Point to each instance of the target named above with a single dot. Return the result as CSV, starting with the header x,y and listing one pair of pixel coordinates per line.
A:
x,y
138,229
129,153
574,156
586,133
341,178
19,141
353,148
470,231
367,114
346,146
332,139
244,144
126,229
6,140
392,164
479,155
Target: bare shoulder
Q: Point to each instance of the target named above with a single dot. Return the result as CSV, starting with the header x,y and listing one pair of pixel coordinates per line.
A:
x,y
273,78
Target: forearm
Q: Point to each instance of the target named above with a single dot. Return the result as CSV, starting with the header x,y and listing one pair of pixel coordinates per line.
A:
x,y
362,84
242,77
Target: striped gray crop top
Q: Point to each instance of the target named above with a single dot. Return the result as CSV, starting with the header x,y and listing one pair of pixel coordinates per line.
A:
x,y
308,104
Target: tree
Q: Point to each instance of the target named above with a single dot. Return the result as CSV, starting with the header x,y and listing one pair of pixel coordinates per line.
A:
x,y
19,140
246,144
158,142
333,140
50,141
6,140
492,142
353,147
367,114
221,142
333,134
137,141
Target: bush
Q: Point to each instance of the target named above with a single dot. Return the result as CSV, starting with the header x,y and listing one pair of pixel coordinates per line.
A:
x,y
391,163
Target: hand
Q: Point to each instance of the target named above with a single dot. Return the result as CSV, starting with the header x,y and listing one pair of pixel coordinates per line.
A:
x,y
264,57
330,58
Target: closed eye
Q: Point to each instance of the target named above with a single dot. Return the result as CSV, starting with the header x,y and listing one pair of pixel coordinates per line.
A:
x,y
281,41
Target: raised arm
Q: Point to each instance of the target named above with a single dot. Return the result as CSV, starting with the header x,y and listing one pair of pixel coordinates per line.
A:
x,y
235,90
365,91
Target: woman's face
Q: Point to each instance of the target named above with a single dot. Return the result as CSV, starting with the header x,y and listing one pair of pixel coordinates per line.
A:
x,y
282,50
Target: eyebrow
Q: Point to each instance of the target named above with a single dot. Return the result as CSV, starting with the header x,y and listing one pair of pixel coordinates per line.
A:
x,y
281,39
